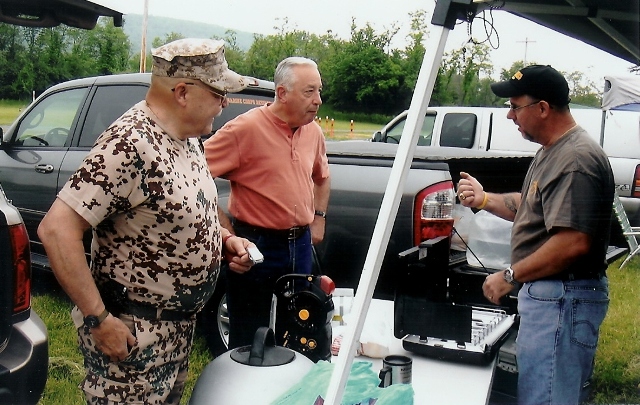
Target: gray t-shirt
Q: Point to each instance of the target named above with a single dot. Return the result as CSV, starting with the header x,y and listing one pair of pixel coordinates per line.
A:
x,y
568,185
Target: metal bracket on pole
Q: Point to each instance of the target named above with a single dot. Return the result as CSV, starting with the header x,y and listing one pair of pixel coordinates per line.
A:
x,y
447,12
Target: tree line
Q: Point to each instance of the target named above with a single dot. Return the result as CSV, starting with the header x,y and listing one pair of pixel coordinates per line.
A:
x,y
361,75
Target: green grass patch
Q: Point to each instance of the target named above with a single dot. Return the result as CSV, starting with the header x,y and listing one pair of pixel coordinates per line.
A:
x,y
340,130
9,111
617,371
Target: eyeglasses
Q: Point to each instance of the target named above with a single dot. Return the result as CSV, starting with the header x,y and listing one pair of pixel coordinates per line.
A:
x,y
217,94
514,108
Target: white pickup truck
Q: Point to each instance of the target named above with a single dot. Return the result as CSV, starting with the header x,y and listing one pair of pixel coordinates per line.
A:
x,y
489,129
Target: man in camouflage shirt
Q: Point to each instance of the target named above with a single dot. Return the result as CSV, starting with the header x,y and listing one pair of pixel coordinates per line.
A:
x,y
146,192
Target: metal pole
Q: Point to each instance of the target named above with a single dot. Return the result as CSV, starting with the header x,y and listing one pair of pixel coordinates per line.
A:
x,y
143,46
388,211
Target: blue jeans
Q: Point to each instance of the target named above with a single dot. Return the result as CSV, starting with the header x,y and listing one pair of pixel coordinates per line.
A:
x,y
249,294
557,339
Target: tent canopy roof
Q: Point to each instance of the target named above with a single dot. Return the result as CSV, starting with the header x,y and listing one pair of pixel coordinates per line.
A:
x,y
620,92
610,25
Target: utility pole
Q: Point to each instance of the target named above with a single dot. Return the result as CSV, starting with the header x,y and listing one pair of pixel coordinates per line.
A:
x,y
143,46
526,46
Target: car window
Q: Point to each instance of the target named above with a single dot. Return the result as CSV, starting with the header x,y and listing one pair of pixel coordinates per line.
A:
x,y
458,130
49,123
108,104
239,103
426,132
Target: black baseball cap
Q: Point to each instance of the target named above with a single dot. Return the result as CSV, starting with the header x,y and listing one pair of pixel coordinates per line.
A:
x,y
538,81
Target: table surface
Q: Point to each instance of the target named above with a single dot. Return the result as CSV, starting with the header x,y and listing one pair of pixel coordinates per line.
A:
x,y
434,381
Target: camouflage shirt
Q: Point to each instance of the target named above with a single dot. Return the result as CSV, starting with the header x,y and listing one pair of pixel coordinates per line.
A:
x,y
152,204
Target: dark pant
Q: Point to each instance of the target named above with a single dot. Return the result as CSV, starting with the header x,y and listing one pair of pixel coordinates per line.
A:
x,y
249,294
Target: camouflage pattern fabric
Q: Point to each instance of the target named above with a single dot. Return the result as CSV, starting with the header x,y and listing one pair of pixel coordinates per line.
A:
x,y
154,372
152,204
198,59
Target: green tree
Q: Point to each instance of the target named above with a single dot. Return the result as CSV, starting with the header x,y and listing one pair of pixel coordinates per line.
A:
x,y
462,72
363,78
267,51
412,56
234,55
170,37
583,91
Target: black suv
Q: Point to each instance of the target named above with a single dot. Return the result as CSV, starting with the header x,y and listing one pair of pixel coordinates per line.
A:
x,y
24,350
49,140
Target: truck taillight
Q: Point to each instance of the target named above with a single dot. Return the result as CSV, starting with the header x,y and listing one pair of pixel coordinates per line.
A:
x,y
433,212
635,187
22,267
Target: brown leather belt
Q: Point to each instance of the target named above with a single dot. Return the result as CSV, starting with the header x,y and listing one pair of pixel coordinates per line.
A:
x,y
291,233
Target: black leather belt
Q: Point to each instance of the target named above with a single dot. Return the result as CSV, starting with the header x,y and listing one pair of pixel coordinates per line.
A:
x,y
116,300
586,275
291,233
151,313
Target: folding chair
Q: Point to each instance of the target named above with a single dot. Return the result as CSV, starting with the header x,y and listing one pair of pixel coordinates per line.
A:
x,y
630,233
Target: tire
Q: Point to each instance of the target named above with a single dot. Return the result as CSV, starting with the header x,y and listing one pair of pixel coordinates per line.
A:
x,y
213,320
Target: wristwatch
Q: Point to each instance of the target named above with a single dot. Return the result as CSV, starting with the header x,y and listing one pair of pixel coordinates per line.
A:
x,y
93,321
321,214
508,276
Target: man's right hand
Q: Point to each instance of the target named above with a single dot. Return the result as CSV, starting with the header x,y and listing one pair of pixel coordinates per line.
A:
x,y
113,338
470,191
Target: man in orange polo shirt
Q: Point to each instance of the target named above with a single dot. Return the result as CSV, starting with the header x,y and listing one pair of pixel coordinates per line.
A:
x,y
275,158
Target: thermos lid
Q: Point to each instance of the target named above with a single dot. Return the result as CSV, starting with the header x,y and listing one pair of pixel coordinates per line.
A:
x,y
263,352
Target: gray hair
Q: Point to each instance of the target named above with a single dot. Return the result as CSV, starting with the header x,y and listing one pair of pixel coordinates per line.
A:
x,y
284,76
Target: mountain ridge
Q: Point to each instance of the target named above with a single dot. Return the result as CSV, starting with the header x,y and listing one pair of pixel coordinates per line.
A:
x,y
162,26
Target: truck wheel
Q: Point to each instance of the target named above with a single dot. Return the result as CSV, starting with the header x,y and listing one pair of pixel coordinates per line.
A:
x,y
213,320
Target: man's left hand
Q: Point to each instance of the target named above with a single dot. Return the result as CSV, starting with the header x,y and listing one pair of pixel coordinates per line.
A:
x,y
317,229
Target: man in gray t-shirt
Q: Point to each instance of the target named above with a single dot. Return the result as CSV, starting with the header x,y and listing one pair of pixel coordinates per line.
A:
x,y
561,222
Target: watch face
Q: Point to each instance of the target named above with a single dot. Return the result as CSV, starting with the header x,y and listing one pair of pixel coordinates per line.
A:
x,y
91,321
508,276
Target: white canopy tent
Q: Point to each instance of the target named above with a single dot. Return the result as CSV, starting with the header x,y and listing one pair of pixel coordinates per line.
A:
x,y
610,25
621,93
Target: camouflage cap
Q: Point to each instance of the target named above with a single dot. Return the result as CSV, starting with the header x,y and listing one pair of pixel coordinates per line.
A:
x,y
198,59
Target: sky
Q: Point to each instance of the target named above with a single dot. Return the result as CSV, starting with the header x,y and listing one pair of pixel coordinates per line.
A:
x,y
519,39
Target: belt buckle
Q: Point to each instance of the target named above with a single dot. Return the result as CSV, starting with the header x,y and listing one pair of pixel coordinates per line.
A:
x,y
293,232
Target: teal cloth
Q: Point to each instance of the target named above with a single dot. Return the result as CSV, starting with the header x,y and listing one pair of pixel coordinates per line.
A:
x,y
362,388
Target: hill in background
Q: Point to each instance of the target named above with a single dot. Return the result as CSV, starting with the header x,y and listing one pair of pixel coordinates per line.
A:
x,y
161,26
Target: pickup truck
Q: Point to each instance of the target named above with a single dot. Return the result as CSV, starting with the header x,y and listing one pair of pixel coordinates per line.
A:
x,y
489,129
47,142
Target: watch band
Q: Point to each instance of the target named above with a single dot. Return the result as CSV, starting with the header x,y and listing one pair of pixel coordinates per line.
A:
x,y
321,214
93,321
509,276
103,316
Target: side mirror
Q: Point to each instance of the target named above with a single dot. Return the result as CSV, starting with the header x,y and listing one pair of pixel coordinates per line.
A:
x,y
376,137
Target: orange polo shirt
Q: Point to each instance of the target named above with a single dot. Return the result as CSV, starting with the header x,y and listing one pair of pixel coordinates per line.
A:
x,y
272,170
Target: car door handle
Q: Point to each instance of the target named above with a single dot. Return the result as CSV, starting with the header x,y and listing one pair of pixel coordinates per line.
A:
x,y
44,168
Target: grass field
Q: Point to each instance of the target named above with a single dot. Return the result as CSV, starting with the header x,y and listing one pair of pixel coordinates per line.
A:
x,y
9,111
615,381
